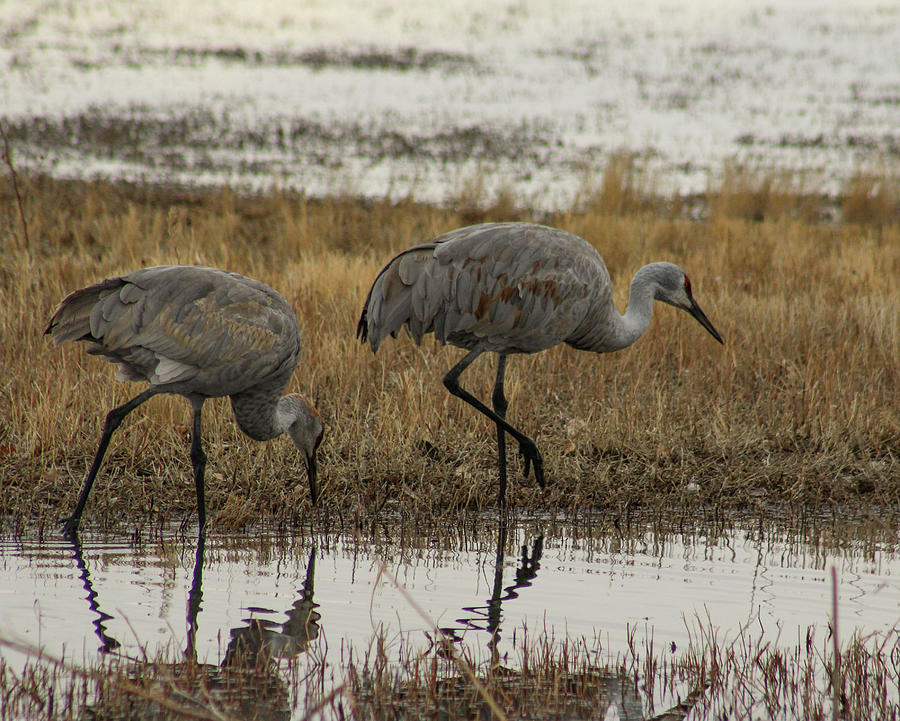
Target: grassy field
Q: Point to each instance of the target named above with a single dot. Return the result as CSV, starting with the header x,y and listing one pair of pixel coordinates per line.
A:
x,y
799,407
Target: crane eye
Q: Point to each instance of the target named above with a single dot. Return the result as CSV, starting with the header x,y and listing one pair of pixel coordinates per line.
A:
x,y
687,286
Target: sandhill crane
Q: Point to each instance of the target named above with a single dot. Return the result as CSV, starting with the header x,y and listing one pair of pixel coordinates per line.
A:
x,y
514,288
200,333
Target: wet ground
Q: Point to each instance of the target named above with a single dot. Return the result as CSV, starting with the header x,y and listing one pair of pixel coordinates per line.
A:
x,y
322,591
393,98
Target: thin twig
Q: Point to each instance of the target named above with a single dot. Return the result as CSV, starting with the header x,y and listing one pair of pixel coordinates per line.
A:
x,y
7,158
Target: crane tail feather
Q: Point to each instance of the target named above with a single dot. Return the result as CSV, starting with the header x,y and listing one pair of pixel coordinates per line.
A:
x,y
398,297
72,318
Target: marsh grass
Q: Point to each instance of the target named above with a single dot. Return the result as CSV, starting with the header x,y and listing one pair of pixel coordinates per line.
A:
x,y
543,677
623,188
164,685
758,195
871,198
799,406
714,678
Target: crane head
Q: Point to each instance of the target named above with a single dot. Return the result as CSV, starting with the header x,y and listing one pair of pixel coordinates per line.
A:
x,y
674,287
306,431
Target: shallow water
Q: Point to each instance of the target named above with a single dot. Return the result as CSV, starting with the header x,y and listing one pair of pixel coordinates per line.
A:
x,y
392,97
324,591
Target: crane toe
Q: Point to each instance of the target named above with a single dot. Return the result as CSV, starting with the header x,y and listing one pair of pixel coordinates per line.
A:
x,y
533,459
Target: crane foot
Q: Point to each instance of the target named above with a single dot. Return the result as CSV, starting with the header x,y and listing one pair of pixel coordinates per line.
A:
x,y
532,458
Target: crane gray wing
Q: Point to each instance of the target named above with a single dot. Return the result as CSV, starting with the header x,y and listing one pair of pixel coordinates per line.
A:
x,y
510,287
172,324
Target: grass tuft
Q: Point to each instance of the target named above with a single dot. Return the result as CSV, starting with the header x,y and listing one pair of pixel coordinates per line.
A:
x,y
871,199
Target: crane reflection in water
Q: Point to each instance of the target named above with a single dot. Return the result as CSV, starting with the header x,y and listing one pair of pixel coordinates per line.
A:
x,y
487,617
612,689
248,681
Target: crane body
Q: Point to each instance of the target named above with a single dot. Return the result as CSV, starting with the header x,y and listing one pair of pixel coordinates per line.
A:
x,y
514,288
200,333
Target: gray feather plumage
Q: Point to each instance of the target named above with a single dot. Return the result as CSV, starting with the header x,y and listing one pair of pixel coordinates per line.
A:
x,y
217,332
506,287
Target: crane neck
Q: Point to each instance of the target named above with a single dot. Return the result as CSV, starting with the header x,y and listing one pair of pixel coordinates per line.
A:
x,y
605,330
637,316
263,413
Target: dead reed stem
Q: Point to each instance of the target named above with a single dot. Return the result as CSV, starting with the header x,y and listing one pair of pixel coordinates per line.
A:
x,y
836,678
14,179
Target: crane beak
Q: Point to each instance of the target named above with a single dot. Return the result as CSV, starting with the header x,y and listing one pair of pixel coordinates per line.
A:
x,y
695,311
312,471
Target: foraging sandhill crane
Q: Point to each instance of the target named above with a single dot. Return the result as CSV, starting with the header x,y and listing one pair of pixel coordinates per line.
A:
x,y
514,288
200,333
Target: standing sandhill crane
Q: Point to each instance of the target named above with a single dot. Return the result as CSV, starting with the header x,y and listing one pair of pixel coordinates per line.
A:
x,y
514,288
200,333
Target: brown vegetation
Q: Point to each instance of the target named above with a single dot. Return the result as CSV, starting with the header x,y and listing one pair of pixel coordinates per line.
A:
x,y
800,406
546,678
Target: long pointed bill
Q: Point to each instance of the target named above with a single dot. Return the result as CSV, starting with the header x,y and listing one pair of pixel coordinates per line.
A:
x,y
695,311
312,471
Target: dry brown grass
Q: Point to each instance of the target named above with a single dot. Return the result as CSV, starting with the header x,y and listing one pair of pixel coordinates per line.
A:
x,y
622,189
757,195
871,198
799,406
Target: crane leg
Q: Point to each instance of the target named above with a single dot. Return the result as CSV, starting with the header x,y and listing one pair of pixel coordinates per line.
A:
x,y
198,459
527,447
113,419
500,405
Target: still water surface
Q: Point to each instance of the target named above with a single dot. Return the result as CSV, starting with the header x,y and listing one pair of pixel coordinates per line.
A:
x,y
131,595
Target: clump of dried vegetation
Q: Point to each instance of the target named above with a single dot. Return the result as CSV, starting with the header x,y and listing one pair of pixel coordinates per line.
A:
x,y
799,406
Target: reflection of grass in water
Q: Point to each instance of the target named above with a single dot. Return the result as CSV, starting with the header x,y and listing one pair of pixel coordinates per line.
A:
x,y
542,678
798,407
537,675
